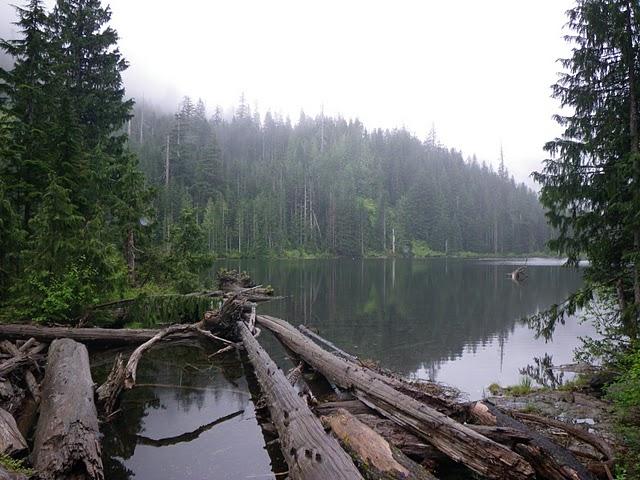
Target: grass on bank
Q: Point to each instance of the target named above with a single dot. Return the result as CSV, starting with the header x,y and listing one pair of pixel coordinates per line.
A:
x,y
15,466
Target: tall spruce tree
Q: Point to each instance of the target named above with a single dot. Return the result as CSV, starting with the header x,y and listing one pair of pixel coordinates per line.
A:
x,y
71,177
27,103
591,183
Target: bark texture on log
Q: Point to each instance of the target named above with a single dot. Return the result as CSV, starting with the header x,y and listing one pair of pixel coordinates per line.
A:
x,y
66,444
310,452
108,393
89,336
379,459
550,460
434,395
455,440
11,440
173,330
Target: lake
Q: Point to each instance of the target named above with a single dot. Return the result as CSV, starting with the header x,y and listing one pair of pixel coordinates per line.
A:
x,y
456,321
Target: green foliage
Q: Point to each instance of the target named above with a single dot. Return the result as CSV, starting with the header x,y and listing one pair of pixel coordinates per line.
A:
x,y
625,394
63,298
494,388
14,465
525,387
150,311
70,191
325,186
420,249
590,182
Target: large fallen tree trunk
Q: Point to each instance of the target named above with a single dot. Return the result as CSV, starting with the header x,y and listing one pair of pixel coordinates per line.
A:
x,y
378,459
66,444
455,440
550,460
310,452
436,396
90,336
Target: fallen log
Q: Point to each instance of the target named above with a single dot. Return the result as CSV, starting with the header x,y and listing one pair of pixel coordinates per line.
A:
x,y
549,459
132,363
455,440
90,336
108,393
66,444
377,458
11,440
434,395
335,349
579,433
310,452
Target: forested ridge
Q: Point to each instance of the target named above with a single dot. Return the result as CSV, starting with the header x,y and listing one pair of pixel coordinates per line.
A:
x,y
264,185
99,196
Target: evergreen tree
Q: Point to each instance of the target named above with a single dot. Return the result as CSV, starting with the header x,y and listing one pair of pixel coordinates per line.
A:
x,y
591,183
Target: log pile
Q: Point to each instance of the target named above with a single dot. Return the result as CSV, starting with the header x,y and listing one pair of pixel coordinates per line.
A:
x,y
375,425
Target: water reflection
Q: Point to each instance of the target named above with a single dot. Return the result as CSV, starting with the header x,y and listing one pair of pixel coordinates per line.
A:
x,y
187,418
447,319
457,321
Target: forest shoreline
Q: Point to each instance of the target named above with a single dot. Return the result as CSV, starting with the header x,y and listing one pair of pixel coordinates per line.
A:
x,y
301,255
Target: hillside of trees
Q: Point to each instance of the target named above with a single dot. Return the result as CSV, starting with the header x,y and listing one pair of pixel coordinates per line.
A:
x,y
98,197
263,184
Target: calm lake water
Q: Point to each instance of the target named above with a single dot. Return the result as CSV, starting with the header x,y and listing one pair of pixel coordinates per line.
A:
x,y
451,320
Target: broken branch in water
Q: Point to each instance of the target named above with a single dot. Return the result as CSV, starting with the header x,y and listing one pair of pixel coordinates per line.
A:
x,y
185,437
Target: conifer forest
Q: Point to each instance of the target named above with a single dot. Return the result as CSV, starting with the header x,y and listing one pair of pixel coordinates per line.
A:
x,y
198,286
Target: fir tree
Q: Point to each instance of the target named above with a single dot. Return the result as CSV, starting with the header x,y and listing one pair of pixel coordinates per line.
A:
x,y
591,182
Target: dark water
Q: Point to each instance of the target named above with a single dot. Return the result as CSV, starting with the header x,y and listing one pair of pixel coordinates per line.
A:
x,y
457,321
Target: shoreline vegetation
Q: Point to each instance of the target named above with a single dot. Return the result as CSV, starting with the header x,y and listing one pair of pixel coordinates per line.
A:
x,y
295,254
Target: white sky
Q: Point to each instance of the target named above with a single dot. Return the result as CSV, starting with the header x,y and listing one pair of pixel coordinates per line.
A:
x,y
479,70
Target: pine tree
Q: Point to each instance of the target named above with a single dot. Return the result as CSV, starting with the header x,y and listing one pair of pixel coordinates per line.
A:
x,y
28,106
591,183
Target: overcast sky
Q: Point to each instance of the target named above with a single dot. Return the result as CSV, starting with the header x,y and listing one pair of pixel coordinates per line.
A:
x,y
480,71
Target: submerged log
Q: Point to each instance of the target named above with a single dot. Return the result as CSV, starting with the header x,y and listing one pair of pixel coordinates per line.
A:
x,y
377,458
310,452
455,440
185,437
66,444
11,440
549,459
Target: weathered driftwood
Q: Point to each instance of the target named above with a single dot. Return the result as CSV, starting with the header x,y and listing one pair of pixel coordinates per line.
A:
x,y
89,336
455,440
310,452
549,459
332,347
66,444
434,395
132,363
11,440
108,393
28,349
21,357
185,437
377,458
580,433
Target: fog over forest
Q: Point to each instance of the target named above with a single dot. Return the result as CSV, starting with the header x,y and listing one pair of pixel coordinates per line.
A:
x,y
414,66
